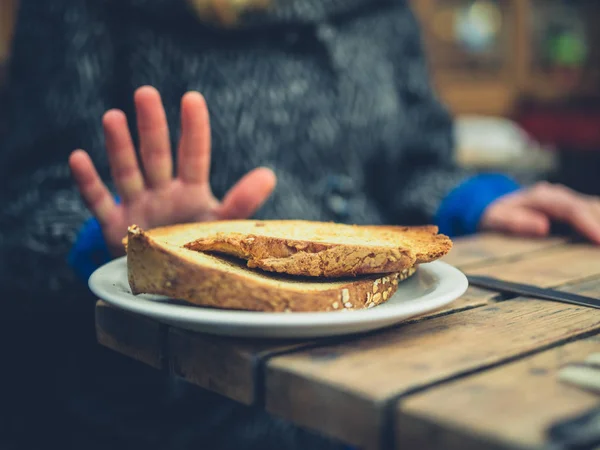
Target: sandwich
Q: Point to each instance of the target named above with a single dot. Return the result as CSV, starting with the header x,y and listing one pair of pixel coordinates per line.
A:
x,y
278,266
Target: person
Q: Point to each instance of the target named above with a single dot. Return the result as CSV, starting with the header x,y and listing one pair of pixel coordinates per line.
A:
x,y
319,109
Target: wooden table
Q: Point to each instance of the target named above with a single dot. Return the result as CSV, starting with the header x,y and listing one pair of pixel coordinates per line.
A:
x,y
481,373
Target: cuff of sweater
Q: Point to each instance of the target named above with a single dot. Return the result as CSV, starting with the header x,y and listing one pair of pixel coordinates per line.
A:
x,y
89,251
460,212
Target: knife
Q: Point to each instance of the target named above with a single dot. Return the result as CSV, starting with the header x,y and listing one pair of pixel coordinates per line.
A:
x,y
528,290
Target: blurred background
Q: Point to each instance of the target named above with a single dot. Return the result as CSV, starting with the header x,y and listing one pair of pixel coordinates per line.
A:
x,y
521,76
523,79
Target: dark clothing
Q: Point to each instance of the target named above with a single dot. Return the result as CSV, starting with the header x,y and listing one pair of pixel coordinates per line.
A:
x,y
333,95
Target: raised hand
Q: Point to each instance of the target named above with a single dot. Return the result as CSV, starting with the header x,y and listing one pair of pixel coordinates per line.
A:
x,y
155,197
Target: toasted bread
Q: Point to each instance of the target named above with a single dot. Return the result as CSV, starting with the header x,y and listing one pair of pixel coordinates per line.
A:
x,y
158,263
315,249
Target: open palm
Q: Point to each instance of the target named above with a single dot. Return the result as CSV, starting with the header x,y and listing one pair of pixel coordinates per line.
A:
x,y
156,197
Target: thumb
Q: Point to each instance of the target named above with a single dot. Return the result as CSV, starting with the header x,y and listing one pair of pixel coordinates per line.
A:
x,y
248,194
517,220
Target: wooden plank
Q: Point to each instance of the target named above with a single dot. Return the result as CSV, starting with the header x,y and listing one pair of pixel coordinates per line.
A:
x,y
508,407
129,334
226,366
589,287
341,389
489,247
549,268
223,365
474,297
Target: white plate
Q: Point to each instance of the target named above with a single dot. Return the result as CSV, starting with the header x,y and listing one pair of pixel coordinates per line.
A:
x,y
433,285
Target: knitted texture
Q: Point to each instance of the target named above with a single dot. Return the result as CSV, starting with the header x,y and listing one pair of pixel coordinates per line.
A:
x,y
333,95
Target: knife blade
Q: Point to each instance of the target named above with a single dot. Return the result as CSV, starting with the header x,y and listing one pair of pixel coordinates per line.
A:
x,y
528,290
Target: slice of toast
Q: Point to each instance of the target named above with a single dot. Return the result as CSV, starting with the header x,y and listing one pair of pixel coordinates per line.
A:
x,y
316,249
157,264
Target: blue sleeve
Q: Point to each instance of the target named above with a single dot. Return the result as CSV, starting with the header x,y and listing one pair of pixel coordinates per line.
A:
x,y
89,250
460,211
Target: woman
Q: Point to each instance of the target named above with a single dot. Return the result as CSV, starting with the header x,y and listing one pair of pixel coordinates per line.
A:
x,y
322,109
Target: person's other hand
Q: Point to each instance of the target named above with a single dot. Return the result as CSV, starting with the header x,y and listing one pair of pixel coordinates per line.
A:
x,y
531,211
156,197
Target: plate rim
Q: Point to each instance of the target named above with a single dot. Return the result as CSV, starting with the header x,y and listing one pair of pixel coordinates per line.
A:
x,y
452,282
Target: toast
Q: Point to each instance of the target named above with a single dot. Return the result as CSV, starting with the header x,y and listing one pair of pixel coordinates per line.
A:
x,y
315,249
158,263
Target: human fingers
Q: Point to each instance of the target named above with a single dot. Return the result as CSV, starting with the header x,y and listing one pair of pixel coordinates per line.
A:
x,y
564,204
193,162
516,220
125,169
248,194
155,147
93,191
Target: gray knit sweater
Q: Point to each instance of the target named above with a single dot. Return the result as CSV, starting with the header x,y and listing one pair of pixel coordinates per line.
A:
x,y
334,95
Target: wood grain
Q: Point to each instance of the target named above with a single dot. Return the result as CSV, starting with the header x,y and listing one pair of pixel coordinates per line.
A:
x,y
342,386
341,389
589,287
129,334
490,248
511,406
472,298
222,365
484,248
552,267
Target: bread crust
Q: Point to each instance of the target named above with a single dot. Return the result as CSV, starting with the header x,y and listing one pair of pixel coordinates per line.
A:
x,y
158,268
